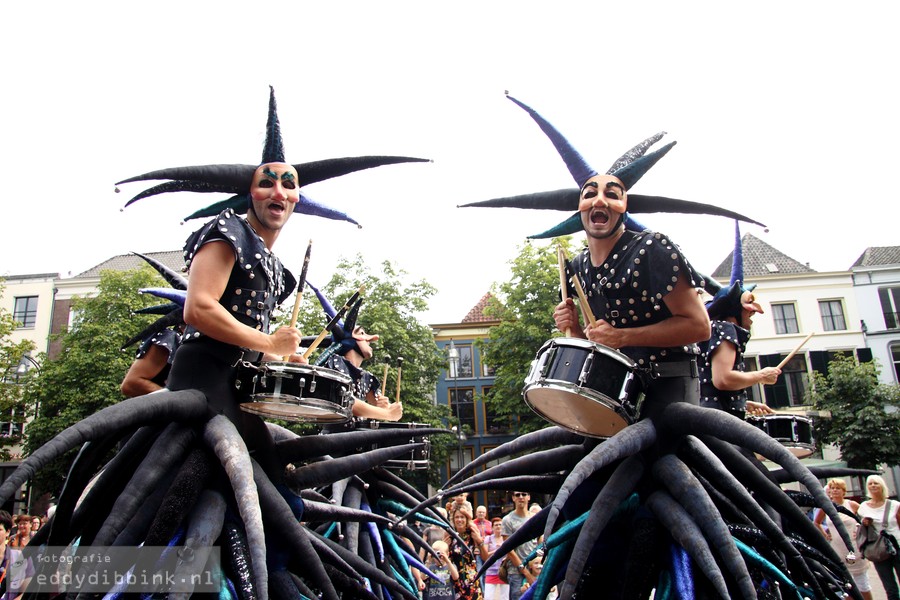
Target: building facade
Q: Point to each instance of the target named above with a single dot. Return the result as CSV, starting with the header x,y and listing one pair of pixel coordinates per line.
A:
x,y
876,281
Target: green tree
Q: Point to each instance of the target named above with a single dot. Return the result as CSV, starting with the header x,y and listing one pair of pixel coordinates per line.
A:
x,y
389,309
85,377
866,434
524,305
12,404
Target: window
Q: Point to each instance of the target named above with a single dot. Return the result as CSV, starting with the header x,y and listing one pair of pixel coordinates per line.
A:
x,y
486,370
11,427
25,310
785,318
832,315
462,404
753,392
465,368
895,357
890,306
790,389
494,424
454,456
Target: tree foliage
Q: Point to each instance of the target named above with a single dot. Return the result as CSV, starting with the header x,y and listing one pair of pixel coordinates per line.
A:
x,y
389,310
12,404
524,306
866,434
86,375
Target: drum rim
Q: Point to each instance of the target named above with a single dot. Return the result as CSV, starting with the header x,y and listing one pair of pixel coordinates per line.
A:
x,y
343,414
265,368
590,345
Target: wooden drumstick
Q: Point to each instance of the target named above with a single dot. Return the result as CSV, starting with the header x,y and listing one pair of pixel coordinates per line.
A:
x,y
384,379
563,288
794,351
582,299
399,370
301,283
337,317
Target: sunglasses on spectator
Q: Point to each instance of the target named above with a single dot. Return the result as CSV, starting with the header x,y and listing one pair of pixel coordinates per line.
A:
x,y
520,494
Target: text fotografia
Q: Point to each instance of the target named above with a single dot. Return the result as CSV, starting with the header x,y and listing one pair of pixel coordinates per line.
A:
x,y
143,570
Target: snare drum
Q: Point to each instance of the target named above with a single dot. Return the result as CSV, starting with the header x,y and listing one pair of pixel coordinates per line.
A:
x,y
418,457
584,387
295,392
794,432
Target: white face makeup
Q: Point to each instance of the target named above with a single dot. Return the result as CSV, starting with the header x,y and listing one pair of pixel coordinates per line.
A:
x,y
274,192
603,201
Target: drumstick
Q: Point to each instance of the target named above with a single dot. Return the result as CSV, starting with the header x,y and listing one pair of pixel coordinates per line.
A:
x,y
384,379
563,288
582,299
301,283
334,319
399,369
794,351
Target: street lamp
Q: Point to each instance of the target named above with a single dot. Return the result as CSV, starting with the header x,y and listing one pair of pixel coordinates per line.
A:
x,y
453,356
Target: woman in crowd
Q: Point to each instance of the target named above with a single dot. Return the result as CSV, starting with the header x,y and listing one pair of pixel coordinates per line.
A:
x,y
859,569
872,511
494,587
467,586
23,532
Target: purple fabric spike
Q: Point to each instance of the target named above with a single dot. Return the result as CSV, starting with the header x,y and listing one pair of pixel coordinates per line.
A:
x,y
308,206
273,149
737,259
580,170
176,296
329,309
682,574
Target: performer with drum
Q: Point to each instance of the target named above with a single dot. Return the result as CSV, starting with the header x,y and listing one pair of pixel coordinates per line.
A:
x,y
723,380
236,281
351,345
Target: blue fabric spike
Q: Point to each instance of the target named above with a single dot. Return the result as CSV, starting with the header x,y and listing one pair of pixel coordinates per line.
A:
x,y
737,257
682,574
632,173
567,227
635,153
771,569
580,170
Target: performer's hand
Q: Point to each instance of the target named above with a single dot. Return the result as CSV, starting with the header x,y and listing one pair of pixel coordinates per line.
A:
x,y
566,318
757,409
298,358
382,401
606,334
769,375
395,411
284,341
421,585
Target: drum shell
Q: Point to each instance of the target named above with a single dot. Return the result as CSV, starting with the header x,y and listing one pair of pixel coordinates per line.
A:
x,y
295,392
794,432
583,386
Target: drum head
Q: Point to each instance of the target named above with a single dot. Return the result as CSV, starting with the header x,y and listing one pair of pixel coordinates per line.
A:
x,y
575,410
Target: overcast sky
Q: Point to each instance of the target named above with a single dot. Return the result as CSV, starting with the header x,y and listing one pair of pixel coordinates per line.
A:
x,y
784,111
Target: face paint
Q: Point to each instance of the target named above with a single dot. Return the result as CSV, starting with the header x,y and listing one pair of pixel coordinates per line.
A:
x,y
273,194
602,205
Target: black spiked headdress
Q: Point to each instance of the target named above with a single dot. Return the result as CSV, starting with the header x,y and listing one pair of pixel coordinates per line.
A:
x,y
236,179
629,168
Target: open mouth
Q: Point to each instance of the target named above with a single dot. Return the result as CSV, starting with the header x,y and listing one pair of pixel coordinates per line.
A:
x,y
276,208
599,217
